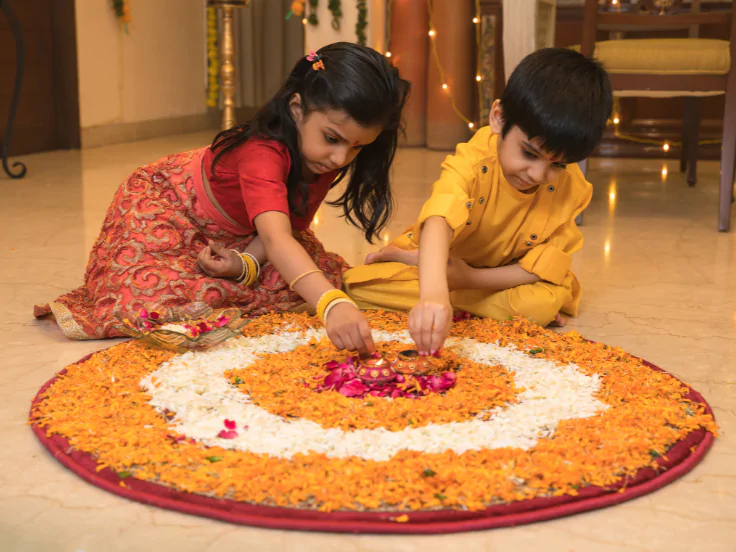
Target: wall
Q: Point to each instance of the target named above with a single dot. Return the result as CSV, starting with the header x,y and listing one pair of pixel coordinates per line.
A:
x,y
148,82
322,34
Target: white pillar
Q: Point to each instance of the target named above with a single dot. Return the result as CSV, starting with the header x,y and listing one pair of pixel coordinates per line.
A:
x,y
528,25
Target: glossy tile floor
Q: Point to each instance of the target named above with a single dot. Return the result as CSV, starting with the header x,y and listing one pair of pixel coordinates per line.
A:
x,y
658,279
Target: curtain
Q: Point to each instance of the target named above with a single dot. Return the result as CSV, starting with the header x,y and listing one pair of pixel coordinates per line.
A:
x,y
267,47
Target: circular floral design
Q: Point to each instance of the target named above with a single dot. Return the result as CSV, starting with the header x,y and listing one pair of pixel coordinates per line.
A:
x,y
194,390
613,416
288,385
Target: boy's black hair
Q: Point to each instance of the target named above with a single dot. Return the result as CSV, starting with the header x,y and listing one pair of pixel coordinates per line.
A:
x,y
368,88
560,97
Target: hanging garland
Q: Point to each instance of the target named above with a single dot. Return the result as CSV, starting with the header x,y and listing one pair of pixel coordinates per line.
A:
x,y
335,7
312,18
122,11
297,9
213,60
362,22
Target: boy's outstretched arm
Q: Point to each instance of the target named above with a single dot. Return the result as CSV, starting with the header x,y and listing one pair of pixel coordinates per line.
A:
x,y
430,319
462,276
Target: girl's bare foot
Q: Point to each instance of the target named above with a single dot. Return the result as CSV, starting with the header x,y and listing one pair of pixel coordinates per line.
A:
x,y
559,321
393,254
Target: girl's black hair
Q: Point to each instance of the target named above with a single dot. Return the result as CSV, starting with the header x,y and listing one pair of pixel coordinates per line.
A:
x,y
359,81
561,97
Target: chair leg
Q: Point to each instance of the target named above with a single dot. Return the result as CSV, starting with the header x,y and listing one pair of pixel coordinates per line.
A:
x,y
691,130
584,169
684,138
728,155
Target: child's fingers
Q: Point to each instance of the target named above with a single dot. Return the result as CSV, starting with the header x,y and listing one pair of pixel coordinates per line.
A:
x,y
363,340
439,331
211,265
426,331
417,328
203,258
345,341
218,249
349,341
413,326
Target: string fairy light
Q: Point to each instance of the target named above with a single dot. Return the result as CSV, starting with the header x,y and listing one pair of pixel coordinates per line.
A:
x,y
666,145
432,33
438,64
478,64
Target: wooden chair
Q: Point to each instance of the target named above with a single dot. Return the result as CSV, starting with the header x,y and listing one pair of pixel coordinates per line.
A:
x,y
692,68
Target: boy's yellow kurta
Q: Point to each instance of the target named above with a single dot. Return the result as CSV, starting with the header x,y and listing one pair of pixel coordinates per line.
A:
x,y
493,225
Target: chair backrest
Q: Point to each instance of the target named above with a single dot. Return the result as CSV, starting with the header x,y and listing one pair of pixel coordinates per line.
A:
x,y
647,16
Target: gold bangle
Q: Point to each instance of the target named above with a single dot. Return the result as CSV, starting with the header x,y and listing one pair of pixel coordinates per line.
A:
x,y
307,273
254,269
243,274
256,263
252,272
327,298
333,304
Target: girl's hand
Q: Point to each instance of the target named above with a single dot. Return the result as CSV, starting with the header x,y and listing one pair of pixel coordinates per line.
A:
x,y
218,262
429,323
348,329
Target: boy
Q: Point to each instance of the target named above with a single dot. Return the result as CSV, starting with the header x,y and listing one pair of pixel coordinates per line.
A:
x,y
496,237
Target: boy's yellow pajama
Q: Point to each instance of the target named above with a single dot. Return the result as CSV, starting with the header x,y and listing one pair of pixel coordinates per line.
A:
x,y
493,224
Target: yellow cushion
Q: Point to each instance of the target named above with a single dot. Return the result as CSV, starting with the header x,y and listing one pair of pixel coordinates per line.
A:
x,y
664,56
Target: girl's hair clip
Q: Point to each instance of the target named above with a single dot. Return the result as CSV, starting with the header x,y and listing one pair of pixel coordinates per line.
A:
x,y
316,59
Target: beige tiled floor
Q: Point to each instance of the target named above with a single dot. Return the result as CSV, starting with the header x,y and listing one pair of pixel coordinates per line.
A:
x,y
659,281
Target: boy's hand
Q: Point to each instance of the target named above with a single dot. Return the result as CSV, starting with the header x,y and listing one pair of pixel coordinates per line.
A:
x,y
429,323
459,274
218,262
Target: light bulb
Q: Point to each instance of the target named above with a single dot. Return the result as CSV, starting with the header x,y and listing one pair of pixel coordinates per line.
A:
x,y
432,32
478,78
304,21
666,147
476,20
444,87
470,125
388,54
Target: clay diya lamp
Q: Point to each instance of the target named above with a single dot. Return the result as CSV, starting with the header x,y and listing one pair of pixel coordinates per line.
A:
x,y
409,363
373,370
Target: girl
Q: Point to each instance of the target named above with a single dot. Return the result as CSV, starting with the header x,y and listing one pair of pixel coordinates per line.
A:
x,y
255,190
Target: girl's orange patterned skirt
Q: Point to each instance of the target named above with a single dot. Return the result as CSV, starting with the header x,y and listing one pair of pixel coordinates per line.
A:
x,y
147,253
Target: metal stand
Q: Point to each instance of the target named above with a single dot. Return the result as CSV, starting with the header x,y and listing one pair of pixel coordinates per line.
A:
x,y
227,59
20,56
